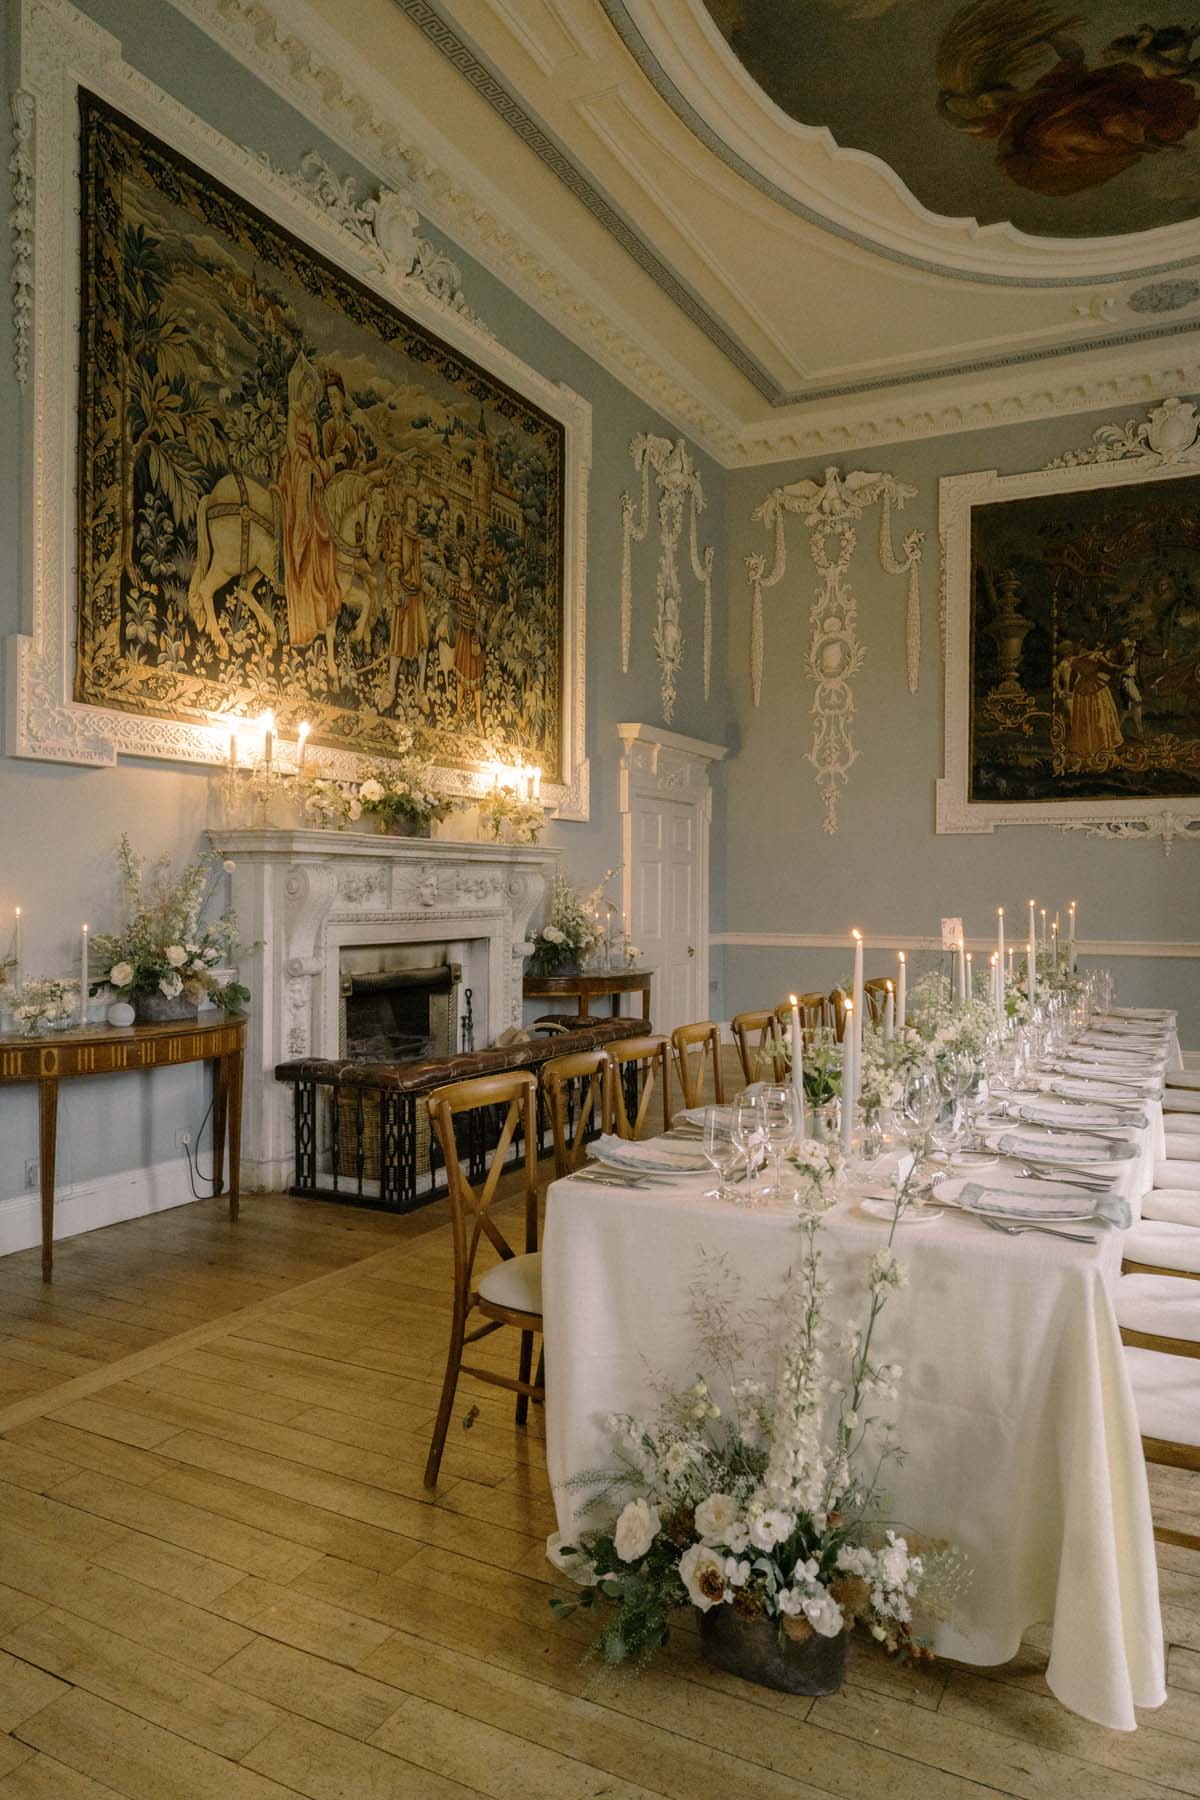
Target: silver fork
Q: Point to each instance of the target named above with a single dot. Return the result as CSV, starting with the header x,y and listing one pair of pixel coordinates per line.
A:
x,y
1072,1237
1061,1172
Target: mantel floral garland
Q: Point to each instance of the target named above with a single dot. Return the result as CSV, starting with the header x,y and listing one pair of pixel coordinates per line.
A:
x,y
766,1499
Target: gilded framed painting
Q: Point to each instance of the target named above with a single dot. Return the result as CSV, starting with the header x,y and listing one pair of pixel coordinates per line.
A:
x,y
308,479
1073,636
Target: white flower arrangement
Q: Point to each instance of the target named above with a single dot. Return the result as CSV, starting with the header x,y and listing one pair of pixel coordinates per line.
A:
x,y
44,1001
166,946
769,1501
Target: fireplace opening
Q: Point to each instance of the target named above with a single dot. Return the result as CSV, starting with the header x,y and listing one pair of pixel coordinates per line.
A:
x,y
398,1003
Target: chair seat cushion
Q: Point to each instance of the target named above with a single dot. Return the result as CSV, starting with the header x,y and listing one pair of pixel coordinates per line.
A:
x,y
1166,1305
1181,1100
1163,1245
1184,1124
1174,1204
516,1283
1166,1393
1182,1146
1184,1078
1175,1172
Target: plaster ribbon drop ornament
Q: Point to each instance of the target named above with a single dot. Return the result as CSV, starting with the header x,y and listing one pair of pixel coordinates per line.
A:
x,y
679,489
20,167
831,508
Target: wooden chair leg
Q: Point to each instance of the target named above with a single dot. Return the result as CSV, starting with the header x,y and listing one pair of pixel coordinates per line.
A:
x,y
450,1383
523,1368
539,1380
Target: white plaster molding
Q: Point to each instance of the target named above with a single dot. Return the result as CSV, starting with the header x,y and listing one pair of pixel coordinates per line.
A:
x,y
830,509
679,487
1162,447
889,944
61,47
20,167
388,226
92,1202
303,895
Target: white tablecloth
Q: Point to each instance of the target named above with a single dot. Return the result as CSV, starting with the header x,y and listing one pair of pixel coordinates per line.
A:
x,y
1015,1408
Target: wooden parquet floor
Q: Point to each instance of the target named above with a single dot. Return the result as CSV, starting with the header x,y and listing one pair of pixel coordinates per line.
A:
x,y
222,1579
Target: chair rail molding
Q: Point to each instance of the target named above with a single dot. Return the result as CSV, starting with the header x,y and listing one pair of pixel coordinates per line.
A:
x,y
679,488
831,508
887,942
376,240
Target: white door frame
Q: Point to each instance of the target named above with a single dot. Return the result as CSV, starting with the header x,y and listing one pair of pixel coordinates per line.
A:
x,y
666,765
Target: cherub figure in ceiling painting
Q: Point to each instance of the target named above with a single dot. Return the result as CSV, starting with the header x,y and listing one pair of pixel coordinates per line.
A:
x,y
1011,70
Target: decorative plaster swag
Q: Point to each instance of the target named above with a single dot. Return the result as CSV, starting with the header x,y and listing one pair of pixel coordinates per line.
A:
x,y
831,508
678,486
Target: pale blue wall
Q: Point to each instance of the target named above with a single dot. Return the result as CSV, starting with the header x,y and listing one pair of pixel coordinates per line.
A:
x,y
58,825
886,870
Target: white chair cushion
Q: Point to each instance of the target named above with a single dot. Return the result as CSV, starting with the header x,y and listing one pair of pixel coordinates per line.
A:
x,y
1184,1078
1183,1125
1166,1305
1174,1204
1182,1146
1181,1100
1174,1172
1164,1245
1166,1393
516,1283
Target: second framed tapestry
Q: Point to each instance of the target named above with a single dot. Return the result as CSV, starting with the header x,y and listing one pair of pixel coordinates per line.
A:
x,y
1073,635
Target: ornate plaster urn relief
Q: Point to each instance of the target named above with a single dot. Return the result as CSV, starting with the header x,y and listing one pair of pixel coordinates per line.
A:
x,y
307,895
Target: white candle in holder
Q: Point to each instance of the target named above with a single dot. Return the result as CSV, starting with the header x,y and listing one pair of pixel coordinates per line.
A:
x,y
1032,922
849,1077
968,992
268,738
83,979
962,966
1031,970
302,732
1000,937
19,961
857,997
537,783
797,1047
1045,931
889,1014
1071,937
902,991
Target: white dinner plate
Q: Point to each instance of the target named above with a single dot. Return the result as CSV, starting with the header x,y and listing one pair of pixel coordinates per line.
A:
x,y
1066,1146
1078,1113
1015,1197
884,1210
649,1157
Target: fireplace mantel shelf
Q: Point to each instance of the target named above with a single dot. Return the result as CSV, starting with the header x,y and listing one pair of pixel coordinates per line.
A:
x,y
253,840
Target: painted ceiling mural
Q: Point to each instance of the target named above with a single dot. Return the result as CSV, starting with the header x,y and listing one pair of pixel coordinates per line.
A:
x,y
1067,120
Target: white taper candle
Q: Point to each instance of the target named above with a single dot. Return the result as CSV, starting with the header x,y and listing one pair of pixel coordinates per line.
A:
x,y
902,991
797,1046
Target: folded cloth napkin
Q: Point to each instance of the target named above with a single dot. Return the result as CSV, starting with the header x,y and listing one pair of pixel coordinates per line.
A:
x,y
1094,1079
1047,1207
1046,1110
1173,1172
654,1155
1101,1055
1131,1030
1140,1012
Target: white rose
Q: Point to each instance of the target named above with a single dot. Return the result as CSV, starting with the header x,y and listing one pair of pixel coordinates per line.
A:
x,y
702,1565
824,1614
229,865
370,792
553,935
176,955
121,975
212,954
771,1528
171,985
716,1516
636,1530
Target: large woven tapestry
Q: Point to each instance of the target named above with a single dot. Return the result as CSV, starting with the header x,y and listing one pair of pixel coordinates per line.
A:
x,y
292,496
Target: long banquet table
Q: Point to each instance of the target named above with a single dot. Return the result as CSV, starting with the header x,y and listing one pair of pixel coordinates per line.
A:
x,y
1015,1409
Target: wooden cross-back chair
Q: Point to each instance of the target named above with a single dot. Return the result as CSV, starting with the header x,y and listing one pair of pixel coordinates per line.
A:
x,y
814,1014
643,1063
836,1009
510,1291
695,1047
756,1035
590,1106
1159,1317
875,995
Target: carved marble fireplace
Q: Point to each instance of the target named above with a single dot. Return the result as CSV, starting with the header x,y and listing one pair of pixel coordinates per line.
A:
x,y
307,895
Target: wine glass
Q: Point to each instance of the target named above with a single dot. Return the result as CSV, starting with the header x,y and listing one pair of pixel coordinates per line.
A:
x,y
749,1135
958,1071
779,1129
719,1149
919,1109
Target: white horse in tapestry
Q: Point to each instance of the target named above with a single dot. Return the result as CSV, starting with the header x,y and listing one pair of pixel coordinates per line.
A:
x,y
238,538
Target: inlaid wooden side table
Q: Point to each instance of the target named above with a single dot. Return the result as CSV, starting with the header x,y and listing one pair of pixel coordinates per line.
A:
x,y
219,1038
586,988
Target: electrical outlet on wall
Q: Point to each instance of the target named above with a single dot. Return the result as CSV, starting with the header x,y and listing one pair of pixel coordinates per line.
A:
x,y
183,1140
33,1173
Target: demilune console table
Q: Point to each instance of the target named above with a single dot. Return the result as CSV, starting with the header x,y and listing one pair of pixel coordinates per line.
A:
x,y
585,988
219,1038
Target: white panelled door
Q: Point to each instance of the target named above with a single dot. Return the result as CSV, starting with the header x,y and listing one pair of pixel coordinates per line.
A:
x,y
666,805
665,894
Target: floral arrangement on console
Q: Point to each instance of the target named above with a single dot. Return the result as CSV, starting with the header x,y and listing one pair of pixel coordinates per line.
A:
x,y
43,1002
764,1500
505,813
328,804
400,792
166,950
568,934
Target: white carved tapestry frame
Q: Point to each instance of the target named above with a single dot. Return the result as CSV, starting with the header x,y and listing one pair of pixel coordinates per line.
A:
x,y
679,487
375,240
1161,447
831,508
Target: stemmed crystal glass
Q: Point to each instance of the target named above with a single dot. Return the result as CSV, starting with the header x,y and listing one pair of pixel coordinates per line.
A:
x,y
919,1110
779,1126
958,1072
749,1136
719,1149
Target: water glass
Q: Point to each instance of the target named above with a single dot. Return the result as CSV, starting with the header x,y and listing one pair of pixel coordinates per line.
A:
x,y
720,1151
779,1128
749,1135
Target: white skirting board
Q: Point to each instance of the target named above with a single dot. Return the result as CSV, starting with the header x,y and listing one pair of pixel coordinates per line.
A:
x,y
87,1205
